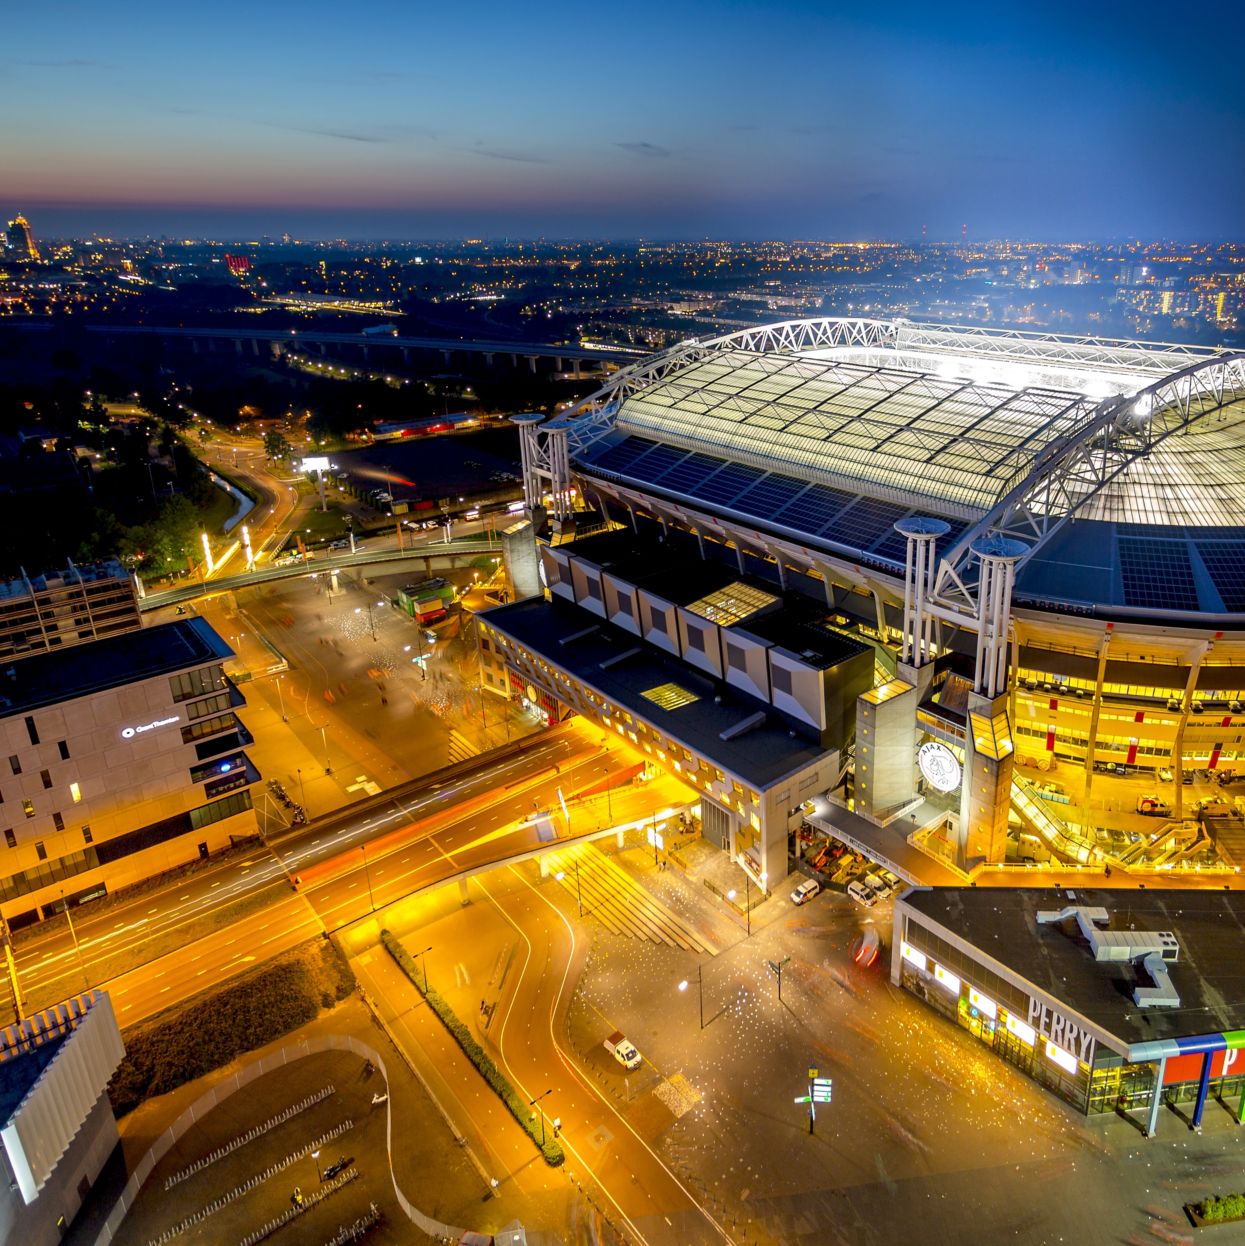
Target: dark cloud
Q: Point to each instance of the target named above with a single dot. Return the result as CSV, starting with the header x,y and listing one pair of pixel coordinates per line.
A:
x,y
501,153
645,149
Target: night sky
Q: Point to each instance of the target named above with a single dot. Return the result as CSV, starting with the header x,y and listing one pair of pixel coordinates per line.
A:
x,y
669,120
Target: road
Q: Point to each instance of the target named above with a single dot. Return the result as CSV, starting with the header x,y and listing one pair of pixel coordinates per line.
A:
x,y
516,950
348,865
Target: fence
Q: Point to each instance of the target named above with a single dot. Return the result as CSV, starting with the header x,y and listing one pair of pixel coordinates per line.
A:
x,y
231,1085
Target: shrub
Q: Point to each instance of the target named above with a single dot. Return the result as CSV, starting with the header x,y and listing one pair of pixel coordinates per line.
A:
x,y
518,1106
213,1030
1216,1210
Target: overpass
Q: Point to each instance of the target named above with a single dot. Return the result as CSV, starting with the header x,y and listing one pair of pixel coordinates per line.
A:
x,y
288,339
465,547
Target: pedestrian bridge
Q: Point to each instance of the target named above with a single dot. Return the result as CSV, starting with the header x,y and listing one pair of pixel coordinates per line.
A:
x,y
465,547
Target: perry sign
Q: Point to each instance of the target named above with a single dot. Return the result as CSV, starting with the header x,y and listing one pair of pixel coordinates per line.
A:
x,y
128,733
1062,1032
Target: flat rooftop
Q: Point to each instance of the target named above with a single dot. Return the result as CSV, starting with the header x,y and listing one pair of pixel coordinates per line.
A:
x,y
1209,975
44,679
717,592
574,641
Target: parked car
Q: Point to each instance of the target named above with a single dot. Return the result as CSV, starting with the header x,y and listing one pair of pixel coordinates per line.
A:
x,y
805,891
861,894
878,885
1165,775
623,1050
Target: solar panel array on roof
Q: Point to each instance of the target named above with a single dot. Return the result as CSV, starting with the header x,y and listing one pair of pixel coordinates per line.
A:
x,y
1157,574
813,509
1225,563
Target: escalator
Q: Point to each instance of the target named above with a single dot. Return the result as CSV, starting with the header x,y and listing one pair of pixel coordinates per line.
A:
x,y
1059,838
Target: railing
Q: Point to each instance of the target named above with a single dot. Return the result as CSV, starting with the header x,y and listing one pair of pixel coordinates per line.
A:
x,y
1054,833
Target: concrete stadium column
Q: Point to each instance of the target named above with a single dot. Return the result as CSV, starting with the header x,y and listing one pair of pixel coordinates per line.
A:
x,y
1095,710
521,559
989,754
514,359
531,362
921,534
886,748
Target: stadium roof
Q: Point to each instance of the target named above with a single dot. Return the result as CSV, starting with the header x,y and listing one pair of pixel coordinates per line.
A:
x,y
831,430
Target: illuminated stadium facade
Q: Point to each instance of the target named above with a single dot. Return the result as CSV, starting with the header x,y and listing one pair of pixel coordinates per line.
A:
x,y
1040,539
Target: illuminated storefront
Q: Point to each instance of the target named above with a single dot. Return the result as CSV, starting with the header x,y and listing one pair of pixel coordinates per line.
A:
x,y
1118,1036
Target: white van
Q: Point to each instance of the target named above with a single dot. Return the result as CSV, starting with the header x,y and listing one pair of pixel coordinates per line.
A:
x,y
861,894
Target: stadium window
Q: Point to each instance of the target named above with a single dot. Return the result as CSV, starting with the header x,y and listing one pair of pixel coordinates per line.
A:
x,y
46,776
28,808
58,822
10,838
87,837
32,730
63,745
75,792
14,764
40,851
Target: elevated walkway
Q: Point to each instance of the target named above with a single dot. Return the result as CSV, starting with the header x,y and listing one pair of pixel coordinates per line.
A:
x,y
888,846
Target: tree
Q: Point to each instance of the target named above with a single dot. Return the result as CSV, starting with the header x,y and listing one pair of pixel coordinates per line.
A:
x,y
276,446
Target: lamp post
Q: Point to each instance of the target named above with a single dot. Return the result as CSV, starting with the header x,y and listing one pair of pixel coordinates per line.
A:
x,y
700,993
302,791
579,900
416,956
370,897
531,1103
315,1155
371,622
281,698
324,739
73,934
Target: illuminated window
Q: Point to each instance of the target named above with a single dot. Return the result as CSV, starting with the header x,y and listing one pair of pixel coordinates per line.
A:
x,y
76,792
992,737
1057,1055
948,979
911,955
28,808
1026,1033
730,604
983,1003
10,838
669,696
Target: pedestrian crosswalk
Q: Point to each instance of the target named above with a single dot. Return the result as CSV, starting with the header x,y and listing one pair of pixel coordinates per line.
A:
x,y
461,748
606,891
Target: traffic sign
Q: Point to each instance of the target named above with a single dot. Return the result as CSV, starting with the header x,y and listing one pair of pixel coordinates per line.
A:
x,y
821,1089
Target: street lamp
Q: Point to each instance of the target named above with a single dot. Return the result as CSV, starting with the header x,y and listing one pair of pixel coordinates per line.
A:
x,y
416,956
371,898
579,901
700,992
531,1103
324,739
370,621
315,1155
281,698
86,977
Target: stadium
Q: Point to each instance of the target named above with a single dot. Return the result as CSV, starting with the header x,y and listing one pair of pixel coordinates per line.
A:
x,y
984,588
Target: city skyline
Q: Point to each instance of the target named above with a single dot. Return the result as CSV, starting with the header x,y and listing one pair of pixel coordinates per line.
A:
x,y
792,122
